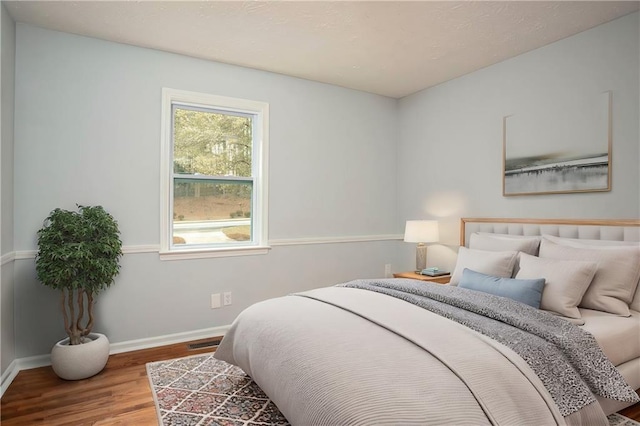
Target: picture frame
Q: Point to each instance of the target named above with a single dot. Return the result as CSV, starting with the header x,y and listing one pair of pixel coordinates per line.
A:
x,y
566,149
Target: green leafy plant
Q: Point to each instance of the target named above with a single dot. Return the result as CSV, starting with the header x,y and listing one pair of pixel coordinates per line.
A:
x,y
78,254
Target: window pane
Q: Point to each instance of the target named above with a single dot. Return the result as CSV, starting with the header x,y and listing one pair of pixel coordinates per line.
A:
x,y
209,211
211,143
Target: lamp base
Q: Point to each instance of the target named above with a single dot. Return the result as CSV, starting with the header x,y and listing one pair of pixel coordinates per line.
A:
x,y
421,256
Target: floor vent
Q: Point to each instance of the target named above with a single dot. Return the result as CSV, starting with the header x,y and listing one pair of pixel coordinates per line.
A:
x,y
201,345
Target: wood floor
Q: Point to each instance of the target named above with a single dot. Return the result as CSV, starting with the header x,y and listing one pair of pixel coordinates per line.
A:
x,y
120,395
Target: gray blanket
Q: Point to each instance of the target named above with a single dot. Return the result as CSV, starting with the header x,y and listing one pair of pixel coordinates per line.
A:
x,y
566,358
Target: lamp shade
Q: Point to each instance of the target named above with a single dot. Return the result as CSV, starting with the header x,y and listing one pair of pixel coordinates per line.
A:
x,y
421,231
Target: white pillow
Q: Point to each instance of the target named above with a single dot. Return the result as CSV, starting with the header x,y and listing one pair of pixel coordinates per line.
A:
x,y
504,242
566,282
616,278
496,263
575,242
580,243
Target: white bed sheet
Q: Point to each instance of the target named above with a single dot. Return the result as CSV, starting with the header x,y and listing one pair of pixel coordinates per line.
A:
x,y
619,337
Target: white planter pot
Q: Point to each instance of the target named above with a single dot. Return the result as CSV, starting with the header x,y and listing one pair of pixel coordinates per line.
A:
x,y
75,362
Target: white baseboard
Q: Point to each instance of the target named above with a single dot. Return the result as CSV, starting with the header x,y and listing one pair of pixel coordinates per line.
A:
x,y
17,365
168,339
27,363
7,377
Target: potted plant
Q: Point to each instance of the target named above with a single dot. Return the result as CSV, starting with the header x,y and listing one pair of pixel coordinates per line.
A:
x,y
78,254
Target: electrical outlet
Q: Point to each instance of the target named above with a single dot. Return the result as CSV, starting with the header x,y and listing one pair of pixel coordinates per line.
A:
x,y
387,270
215,301
226,298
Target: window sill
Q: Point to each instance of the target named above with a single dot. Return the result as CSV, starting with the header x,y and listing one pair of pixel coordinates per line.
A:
x,y
204,253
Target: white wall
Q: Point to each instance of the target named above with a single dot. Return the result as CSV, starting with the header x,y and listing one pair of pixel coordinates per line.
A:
x,y
87,130
450,152
7,68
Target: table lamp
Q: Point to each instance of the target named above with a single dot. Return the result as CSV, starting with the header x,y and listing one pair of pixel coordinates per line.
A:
x,y
421,232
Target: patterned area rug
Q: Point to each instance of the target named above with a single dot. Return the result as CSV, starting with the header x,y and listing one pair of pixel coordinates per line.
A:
x,y
203,391
620,420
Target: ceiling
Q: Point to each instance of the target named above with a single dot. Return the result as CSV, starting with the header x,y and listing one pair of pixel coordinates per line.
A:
x,y
392,48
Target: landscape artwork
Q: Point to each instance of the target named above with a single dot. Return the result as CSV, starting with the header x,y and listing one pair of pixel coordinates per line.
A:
x,y
563,154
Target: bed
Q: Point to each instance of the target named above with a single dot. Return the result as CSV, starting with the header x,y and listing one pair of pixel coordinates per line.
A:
x,y
398,351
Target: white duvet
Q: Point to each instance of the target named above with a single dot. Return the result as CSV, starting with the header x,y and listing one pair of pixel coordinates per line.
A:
x,y
354,357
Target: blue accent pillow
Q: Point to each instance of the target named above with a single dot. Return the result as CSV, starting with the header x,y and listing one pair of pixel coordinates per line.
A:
x,y
524,291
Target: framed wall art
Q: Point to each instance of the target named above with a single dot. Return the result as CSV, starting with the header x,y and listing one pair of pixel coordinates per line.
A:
x,y
559,149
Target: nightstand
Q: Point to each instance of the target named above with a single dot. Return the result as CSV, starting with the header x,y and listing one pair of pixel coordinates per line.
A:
x,y
442,279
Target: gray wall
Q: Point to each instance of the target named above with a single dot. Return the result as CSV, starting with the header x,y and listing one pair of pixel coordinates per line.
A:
x,y
343,163
88,131
7,68
450,148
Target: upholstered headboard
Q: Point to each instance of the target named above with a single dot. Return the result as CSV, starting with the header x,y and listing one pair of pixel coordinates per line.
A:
x,y
596,229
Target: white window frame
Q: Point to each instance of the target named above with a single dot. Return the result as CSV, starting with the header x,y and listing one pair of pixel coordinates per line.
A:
x,y
259,165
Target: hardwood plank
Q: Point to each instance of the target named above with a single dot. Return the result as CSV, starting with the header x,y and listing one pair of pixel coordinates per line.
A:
x,y
119,395
632,412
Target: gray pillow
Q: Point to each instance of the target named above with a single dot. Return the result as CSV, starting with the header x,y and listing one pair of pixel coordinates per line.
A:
x,y
524,291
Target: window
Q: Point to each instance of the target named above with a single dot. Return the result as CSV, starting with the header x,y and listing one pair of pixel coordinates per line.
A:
x,y
214,175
